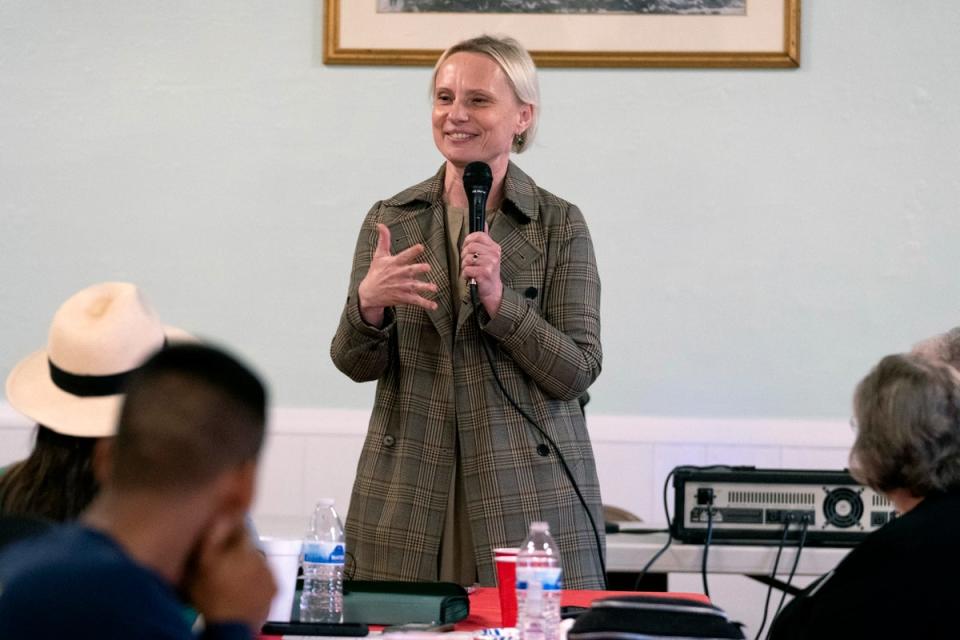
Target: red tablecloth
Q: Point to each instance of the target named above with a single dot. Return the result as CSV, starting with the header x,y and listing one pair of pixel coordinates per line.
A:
x,y
485,604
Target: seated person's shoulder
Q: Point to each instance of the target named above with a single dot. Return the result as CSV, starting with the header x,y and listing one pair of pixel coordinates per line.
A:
x,y
86,574
61,547
930,529
906,569
65,559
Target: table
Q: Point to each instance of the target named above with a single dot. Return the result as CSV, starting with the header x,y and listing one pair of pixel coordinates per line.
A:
x,y
485,604
629,552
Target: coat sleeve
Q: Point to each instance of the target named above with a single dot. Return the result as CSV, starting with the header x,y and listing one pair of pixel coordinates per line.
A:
x,y
358,349
560,349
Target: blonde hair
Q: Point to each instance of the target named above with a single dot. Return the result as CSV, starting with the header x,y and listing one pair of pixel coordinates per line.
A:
x,y
517,65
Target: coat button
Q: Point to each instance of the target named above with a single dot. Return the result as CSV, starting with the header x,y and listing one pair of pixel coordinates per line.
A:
x,y
530,293
389,441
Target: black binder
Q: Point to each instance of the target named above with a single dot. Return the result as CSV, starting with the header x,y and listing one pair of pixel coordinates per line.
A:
x,y
382,602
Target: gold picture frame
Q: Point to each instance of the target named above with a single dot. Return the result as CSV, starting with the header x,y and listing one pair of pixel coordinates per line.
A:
x,y
767,37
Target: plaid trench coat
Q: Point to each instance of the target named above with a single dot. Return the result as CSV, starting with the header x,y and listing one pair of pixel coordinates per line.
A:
x,y
434,385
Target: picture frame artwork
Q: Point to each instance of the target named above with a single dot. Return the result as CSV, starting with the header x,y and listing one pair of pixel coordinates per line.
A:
x,y
570,33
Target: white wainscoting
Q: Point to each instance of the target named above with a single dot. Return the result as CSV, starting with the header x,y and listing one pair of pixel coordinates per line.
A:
x,y
312,453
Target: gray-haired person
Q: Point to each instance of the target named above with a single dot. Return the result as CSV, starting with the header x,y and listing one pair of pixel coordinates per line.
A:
x,y
901,581
944,347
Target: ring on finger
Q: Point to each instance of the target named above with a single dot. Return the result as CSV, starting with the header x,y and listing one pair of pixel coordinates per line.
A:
x,y
475,257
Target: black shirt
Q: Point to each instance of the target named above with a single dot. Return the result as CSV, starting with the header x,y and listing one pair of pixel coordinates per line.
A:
x,y
902,581
75,582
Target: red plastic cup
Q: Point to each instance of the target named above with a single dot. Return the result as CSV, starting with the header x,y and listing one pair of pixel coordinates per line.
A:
x,y
507,588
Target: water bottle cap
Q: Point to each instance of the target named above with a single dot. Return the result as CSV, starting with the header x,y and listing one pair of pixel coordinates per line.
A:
x,y
325,502
539,526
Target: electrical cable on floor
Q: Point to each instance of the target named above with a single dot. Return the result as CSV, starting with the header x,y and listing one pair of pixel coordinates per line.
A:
x,y
666,514
706,547
663,549
773,577
793,569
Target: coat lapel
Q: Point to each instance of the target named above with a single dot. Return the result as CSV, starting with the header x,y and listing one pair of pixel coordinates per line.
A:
x,y
517,249
422,221
512,230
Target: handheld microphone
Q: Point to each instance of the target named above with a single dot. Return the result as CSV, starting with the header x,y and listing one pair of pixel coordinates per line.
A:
x,y
477,180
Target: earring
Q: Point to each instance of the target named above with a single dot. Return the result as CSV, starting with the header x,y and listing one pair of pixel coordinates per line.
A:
x,y
518,140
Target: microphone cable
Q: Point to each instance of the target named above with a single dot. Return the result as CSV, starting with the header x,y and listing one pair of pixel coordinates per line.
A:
x,y
539,429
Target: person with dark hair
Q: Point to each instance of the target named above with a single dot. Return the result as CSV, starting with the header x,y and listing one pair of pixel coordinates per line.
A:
x,y
176,483
477,429
55,482
900,582
73,390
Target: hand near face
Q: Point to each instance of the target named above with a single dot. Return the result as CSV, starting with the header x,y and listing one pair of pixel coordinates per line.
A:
x,y
393,280
480,260
230,580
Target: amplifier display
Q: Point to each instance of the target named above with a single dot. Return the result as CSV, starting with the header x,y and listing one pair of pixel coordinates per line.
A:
x,y
748,505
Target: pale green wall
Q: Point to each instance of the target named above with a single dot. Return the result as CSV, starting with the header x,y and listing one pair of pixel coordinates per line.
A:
x,y
763,236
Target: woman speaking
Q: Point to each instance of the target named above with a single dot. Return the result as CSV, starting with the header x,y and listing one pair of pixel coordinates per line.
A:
x,y
476,429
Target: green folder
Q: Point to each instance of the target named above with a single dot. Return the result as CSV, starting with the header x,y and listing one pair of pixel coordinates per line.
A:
x,y
393,603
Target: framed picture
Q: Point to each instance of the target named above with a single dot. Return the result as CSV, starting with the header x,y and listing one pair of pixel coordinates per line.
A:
x,y
570,33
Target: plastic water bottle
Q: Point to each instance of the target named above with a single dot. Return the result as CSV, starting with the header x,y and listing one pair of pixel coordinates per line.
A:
x,y
323,553
539,585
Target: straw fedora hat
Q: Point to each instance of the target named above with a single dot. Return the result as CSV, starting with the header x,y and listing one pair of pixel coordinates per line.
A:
x,y
97,337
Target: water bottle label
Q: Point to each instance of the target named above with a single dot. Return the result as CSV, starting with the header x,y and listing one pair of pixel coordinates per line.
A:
x,y
547,577
323,552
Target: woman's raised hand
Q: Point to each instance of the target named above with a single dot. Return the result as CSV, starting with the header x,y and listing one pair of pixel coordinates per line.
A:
x,y
393,280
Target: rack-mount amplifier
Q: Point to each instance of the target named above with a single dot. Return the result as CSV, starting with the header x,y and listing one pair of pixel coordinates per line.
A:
x,y
748,505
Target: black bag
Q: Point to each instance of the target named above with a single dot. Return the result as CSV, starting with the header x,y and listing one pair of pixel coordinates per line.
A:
x,y
650,618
